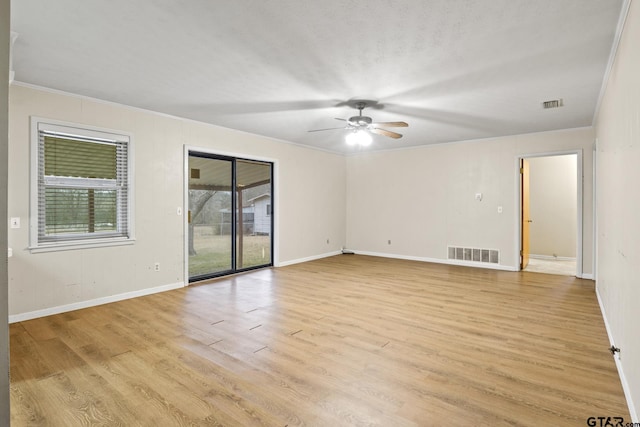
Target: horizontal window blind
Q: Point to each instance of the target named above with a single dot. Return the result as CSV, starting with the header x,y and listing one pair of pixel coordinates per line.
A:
x,y
82,188
81,159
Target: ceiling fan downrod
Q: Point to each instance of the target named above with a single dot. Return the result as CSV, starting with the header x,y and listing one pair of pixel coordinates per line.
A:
x,y
360,121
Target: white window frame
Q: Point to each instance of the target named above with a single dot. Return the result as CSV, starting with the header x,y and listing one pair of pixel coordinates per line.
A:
x,y
83,131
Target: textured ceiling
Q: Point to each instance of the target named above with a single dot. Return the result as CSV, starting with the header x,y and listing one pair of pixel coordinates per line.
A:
x,y
453,69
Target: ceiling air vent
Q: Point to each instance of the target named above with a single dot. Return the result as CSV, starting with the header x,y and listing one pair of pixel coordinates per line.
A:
x,y
554,103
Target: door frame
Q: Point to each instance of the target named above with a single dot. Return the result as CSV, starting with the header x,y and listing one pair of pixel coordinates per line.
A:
x,y
275,218
579,211
525,217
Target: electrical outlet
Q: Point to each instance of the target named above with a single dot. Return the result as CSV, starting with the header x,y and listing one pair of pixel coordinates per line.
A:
x,y
156,266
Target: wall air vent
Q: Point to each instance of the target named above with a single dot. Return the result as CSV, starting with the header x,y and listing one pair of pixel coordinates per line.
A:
x,y
491,256
554,103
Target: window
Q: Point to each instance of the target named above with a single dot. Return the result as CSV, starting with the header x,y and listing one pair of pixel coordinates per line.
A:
x,y
81,189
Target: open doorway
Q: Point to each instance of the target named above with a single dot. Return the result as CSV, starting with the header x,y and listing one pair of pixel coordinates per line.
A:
x,y
551,214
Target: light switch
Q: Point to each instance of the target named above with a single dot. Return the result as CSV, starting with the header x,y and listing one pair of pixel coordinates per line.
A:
x,y
499,209
15,222
479,197
179,210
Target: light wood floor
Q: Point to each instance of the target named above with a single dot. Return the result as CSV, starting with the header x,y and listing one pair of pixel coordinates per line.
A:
x,y
347,340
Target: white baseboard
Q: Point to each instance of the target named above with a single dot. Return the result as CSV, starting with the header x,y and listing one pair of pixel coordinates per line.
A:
x,y
311,258
440,261
551,258
587,276
623,379
91,303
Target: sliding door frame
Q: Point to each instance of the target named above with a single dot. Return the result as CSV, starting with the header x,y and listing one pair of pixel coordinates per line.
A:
x,y
275,211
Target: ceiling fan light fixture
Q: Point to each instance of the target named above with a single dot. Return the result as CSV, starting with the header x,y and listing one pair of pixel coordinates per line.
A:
x,y
359,137
361,127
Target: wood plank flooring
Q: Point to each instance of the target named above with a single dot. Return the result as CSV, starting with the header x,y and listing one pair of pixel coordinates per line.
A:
x,y
343,341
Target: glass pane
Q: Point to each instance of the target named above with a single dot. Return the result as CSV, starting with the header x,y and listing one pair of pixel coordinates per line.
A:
x,y
80,211
74,158
210,209
253,198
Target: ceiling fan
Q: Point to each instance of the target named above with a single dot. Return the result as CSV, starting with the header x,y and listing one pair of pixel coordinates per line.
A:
x,y
361,126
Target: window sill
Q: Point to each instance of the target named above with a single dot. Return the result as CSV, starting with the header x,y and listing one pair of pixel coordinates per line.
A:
x,y
70,246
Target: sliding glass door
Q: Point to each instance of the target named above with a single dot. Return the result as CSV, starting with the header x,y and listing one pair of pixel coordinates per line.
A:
x,y
253,199
210,198
230,215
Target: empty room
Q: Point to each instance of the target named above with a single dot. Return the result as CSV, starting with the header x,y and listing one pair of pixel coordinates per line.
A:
x,y
337,213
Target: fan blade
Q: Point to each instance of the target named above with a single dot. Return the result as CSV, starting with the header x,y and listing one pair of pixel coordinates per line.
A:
x,y
320,130
386,133
338,118
391,124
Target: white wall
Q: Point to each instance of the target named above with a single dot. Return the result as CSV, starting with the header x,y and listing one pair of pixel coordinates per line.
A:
x,y
553,205
4,96
618,206
309,190
422,199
